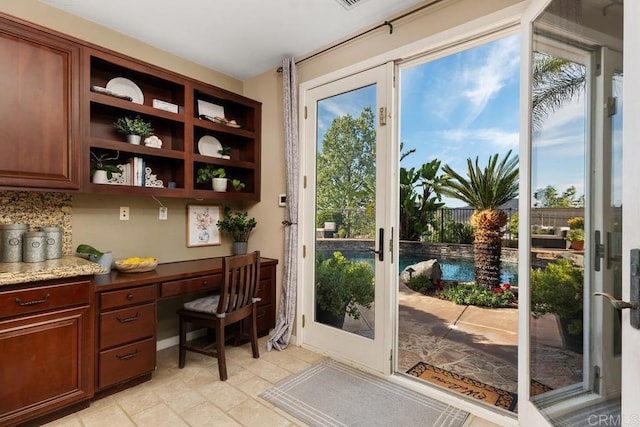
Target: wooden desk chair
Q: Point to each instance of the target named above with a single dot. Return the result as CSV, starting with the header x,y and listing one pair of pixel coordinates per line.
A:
x,y
236,301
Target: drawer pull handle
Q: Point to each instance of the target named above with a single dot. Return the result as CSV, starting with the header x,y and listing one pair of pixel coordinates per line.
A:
x,y
129,319
40,301
129,297
128,356
205,283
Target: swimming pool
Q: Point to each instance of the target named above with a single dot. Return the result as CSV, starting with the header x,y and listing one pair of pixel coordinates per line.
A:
x,y
462,270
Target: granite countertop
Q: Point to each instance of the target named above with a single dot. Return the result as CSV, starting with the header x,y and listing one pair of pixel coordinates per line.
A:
x,y
68,266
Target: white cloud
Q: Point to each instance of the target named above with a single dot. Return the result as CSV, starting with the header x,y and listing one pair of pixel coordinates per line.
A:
x,y
496,137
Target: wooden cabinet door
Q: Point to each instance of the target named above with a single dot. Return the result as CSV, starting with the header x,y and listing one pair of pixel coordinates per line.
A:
x,y
44,364
39,101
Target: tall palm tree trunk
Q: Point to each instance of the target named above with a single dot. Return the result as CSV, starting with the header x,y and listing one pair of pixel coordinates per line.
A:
x,y
487,246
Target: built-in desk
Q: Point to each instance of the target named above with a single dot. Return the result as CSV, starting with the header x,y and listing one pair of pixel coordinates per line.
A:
x,y
126,313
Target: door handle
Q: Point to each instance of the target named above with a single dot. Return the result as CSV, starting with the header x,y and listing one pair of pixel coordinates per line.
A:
x,y
380,250
617,303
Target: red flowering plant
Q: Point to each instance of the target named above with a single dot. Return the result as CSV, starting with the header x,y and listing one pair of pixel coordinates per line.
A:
x,y
471,294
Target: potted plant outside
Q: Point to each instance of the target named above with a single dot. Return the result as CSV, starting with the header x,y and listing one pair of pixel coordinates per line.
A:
x,y
342,286
217,176
101,172
558,288
575,235
239,226
135,128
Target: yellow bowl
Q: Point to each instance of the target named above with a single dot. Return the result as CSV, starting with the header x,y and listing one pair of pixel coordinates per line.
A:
x,y
139,267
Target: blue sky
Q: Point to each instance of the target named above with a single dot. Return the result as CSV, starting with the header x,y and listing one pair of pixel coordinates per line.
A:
x,y
466,105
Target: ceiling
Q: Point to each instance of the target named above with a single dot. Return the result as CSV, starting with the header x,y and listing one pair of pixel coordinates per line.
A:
x,y
240,38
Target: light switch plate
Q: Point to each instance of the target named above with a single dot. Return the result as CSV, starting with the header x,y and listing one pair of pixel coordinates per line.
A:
x,y
282,200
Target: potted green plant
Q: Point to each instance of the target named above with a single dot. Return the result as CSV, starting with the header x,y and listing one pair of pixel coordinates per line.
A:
x,y
216,175
239,226
101,172
135,128
237,184
104,258
575,235
225,152
342,286
558,288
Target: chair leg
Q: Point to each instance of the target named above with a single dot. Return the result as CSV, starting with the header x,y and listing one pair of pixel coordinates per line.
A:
x,y
222,360
254,333
182,342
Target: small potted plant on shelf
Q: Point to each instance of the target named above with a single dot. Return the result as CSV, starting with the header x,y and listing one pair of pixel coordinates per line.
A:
x,y
237,184
101,173
225,152
239,226
135,128
216,175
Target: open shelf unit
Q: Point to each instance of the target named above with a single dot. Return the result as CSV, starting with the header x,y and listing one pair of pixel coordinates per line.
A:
x,y
178,159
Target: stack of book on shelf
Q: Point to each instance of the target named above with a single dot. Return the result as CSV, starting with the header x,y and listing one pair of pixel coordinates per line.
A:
x,y
133,173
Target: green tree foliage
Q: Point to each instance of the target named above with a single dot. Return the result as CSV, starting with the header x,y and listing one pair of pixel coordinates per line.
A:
x,y
419,199
555,82
346,173
548,197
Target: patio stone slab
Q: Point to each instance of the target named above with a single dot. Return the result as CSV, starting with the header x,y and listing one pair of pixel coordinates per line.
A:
x,y
503,319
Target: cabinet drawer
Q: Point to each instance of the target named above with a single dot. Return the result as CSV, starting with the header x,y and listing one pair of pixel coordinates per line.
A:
x,y
264,292
127,325
265,319
187,286
125,297
126,362
32,300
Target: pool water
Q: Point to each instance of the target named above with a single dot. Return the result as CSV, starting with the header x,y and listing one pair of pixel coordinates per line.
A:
x,y
462,270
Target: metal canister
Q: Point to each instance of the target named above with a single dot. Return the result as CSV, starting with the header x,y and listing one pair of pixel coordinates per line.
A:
x,y
53,242
11,241
33,246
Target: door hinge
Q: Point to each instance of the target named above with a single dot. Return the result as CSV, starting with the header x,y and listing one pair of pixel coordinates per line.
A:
x,y
391,360
599,252
305,112
304,181
596,379
383,116
304,251
303,319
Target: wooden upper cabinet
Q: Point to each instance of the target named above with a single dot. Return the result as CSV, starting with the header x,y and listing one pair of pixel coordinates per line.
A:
x,y
39,101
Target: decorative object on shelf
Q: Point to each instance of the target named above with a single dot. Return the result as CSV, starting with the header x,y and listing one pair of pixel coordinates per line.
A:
x,y
102,173
126,87
105,91
164,105
225,152
237,184
200,225
216,175
136,264
94,255
239,226
135,128
153,141
151,179
208,109
209,146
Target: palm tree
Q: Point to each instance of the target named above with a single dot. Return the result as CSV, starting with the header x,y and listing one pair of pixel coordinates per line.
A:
x,y
485,190
556,81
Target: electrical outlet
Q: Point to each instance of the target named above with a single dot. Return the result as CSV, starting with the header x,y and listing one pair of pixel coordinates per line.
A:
x,y
162,213
124,213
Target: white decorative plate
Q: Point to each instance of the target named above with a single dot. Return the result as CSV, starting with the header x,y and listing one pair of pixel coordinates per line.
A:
x,y
209,146
123,86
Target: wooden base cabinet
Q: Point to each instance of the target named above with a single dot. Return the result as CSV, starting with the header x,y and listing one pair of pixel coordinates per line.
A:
x,y
46,347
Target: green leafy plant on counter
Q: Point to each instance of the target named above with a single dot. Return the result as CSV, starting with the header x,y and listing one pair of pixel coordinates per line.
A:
x,y
89,250
133,126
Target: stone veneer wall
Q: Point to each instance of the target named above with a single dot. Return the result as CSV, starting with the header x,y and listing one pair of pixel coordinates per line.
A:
x,y
38,210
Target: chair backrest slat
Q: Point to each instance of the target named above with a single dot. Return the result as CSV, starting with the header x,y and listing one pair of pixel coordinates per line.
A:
x,y
241,277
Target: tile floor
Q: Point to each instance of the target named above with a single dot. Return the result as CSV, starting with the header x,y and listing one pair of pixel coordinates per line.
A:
x,y
194,396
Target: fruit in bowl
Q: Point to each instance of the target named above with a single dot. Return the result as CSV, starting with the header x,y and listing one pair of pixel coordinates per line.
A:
x,y
136,264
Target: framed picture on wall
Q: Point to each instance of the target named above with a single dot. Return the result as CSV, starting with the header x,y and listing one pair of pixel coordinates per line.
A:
x,y
201,225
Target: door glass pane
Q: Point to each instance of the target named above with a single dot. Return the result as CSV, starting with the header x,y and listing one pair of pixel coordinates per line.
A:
x,y
560,142
345,211
615,239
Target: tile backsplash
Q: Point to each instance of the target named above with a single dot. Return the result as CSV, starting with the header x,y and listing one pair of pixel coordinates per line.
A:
x,y
38,210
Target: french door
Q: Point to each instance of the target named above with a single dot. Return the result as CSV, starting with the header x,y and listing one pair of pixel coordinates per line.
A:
x,y
561,382
347,261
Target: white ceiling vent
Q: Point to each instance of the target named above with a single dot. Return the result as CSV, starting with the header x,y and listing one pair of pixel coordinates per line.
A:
x,y
350,4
